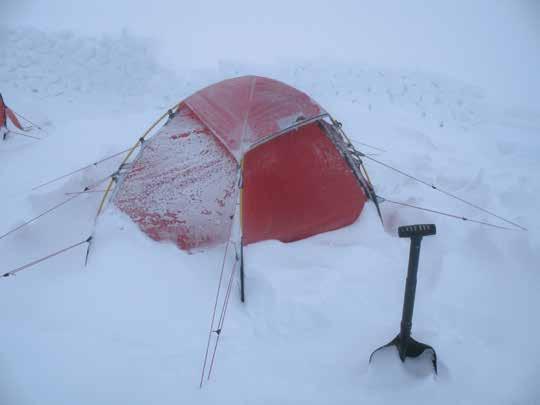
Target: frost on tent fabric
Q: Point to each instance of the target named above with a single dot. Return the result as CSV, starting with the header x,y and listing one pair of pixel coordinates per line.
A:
x,y
181,186
243,111
297,173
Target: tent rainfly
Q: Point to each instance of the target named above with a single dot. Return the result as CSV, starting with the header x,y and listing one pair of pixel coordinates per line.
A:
x,y
252,142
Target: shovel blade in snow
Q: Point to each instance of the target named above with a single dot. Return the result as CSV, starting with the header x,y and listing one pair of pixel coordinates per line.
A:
x,y
409,348
406,345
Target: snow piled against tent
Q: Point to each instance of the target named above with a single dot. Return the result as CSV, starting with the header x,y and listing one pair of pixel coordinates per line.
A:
x,y
131,327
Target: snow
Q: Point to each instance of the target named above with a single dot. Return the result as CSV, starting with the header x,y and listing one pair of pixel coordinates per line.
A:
x,y
449,92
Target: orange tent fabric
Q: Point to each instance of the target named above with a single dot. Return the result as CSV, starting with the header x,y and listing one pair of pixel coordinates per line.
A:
x,y
6,113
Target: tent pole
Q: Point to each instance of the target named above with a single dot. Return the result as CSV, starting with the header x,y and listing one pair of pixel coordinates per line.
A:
x,y
241,219
139,142
242,295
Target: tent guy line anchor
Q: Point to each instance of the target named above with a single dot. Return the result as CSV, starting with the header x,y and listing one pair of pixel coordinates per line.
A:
x,y
222,318
406,345
42,259
30,122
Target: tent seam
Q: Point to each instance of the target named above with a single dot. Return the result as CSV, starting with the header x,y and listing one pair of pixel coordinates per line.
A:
x,y
221,140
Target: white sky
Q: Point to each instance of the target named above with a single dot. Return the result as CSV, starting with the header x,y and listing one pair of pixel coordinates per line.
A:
x,y
495,44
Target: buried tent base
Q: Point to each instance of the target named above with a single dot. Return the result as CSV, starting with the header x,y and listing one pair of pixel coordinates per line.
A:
x,y
405,344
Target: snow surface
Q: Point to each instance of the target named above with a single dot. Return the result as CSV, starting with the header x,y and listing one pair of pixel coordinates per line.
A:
x,y
132,326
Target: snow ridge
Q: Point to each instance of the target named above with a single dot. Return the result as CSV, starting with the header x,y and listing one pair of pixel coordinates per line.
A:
x,y
73,67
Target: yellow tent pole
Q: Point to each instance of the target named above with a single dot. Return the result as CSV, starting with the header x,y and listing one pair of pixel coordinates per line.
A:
x,y
130,152
366,173
242,197
242,293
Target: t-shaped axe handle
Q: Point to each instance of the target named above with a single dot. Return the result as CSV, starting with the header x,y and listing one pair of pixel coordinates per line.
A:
x,y
406,345
410,231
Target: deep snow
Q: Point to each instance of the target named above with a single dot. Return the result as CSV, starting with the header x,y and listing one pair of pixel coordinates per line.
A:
x,y
132,326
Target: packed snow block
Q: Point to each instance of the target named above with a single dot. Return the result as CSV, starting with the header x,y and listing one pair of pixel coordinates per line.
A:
x,y
72,67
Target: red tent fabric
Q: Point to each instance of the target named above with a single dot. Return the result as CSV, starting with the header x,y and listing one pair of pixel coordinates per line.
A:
x,y
271,138
5,113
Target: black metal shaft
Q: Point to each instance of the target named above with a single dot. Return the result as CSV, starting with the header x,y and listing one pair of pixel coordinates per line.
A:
x,y
408,300
242,297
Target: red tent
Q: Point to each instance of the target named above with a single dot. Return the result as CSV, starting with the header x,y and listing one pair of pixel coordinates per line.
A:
x,y
5,113
251,142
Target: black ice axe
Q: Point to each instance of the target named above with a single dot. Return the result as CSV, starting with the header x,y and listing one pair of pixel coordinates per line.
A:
x,y
406,345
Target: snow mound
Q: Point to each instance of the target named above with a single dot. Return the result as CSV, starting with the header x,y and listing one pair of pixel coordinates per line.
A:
x,y
74,67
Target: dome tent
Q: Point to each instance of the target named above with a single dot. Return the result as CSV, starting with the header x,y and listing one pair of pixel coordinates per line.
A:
x,y
248,145
251,141
5,114
296,178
